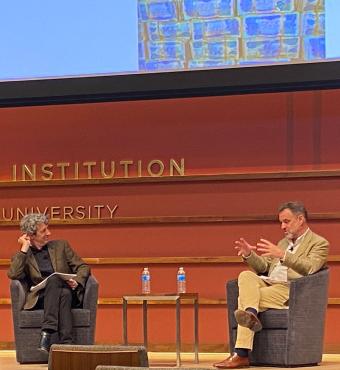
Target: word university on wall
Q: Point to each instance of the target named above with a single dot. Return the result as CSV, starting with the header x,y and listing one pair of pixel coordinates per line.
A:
x,y
58,213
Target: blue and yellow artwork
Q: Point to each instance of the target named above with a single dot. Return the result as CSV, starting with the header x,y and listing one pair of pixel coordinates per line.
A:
x,y
188,34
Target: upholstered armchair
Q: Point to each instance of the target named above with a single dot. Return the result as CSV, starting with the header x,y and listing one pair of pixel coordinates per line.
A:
x,y
293,336
27,323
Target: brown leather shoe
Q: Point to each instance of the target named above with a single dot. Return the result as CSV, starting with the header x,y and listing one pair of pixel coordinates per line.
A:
x,y
248,320
233,362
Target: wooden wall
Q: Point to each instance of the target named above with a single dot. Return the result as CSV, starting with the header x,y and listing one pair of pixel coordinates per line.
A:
x,y
244,155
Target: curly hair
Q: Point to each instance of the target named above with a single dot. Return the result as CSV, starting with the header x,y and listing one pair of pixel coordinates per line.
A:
x,y
29,222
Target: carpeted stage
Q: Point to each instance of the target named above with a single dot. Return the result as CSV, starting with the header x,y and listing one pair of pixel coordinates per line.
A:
x,y
161,359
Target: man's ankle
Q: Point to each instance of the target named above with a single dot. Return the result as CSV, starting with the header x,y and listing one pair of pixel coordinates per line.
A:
x,y
252,310
242,352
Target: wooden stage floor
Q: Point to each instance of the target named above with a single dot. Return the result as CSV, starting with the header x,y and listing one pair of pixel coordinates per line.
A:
x,y
162,359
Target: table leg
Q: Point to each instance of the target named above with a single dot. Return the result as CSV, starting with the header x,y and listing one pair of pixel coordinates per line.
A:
x,y
196,329
145,323
125,321
178,331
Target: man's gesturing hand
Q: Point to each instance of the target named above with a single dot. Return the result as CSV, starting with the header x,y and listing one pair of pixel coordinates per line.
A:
x,y
268,249
243,247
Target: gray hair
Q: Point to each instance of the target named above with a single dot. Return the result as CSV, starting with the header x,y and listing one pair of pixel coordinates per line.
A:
x,y
296,207
29,222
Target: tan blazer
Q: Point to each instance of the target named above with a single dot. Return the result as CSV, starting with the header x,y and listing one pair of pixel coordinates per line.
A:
x,y
25,268
310,257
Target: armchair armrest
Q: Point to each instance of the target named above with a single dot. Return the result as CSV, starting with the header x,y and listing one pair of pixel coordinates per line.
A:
x,y
18,295
309,296
91,293
232,295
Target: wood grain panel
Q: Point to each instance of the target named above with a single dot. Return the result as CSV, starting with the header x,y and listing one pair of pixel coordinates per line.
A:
x,y
268,175
201,301
163,260
164,220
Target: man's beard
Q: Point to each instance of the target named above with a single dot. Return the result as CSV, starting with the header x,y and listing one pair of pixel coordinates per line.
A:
x,y
289,235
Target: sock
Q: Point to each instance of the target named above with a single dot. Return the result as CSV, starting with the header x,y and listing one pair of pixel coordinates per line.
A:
x,y
252,310
242,352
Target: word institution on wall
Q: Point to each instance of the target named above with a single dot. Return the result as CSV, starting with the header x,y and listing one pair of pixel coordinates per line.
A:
x,y
96,169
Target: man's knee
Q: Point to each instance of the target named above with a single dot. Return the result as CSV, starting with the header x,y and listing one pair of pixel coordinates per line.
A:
x,y
245,276
54,281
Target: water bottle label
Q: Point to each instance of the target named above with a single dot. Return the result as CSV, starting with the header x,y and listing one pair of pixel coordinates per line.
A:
x,y
145,277
181,278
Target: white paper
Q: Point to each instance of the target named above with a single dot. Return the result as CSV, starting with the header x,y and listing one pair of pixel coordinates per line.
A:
x,y
42,284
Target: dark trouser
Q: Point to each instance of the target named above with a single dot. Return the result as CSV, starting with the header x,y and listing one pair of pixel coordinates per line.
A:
x,y
56,299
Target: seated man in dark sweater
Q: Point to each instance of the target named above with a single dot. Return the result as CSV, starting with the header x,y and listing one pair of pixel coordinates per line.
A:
x,y
39,258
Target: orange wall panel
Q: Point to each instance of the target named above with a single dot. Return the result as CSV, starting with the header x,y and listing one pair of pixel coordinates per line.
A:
x,y
246,134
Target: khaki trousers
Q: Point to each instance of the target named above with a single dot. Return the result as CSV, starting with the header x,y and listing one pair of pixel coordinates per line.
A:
x,y
255,293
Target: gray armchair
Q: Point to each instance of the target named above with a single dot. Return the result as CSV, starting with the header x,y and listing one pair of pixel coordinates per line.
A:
x,y
27,323
293,336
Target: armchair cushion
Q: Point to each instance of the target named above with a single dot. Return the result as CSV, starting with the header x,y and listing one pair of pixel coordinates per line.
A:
x,y
33,319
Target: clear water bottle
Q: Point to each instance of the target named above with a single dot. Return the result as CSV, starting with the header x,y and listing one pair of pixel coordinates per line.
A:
x,y
181,281
146,281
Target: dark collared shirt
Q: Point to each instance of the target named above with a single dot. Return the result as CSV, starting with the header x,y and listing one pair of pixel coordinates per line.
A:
x,y
43,260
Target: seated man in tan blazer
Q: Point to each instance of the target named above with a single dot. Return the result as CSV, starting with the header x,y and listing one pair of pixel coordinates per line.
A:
x,y
300,253
39,258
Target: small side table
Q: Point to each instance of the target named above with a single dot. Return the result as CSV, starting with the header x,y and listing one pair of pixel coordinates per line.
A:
x,y
161,298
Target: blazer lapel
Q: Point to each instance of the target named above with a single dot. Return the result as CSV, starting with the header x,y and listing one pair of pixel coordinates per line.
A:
x,y
52,253
305,242
32,261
